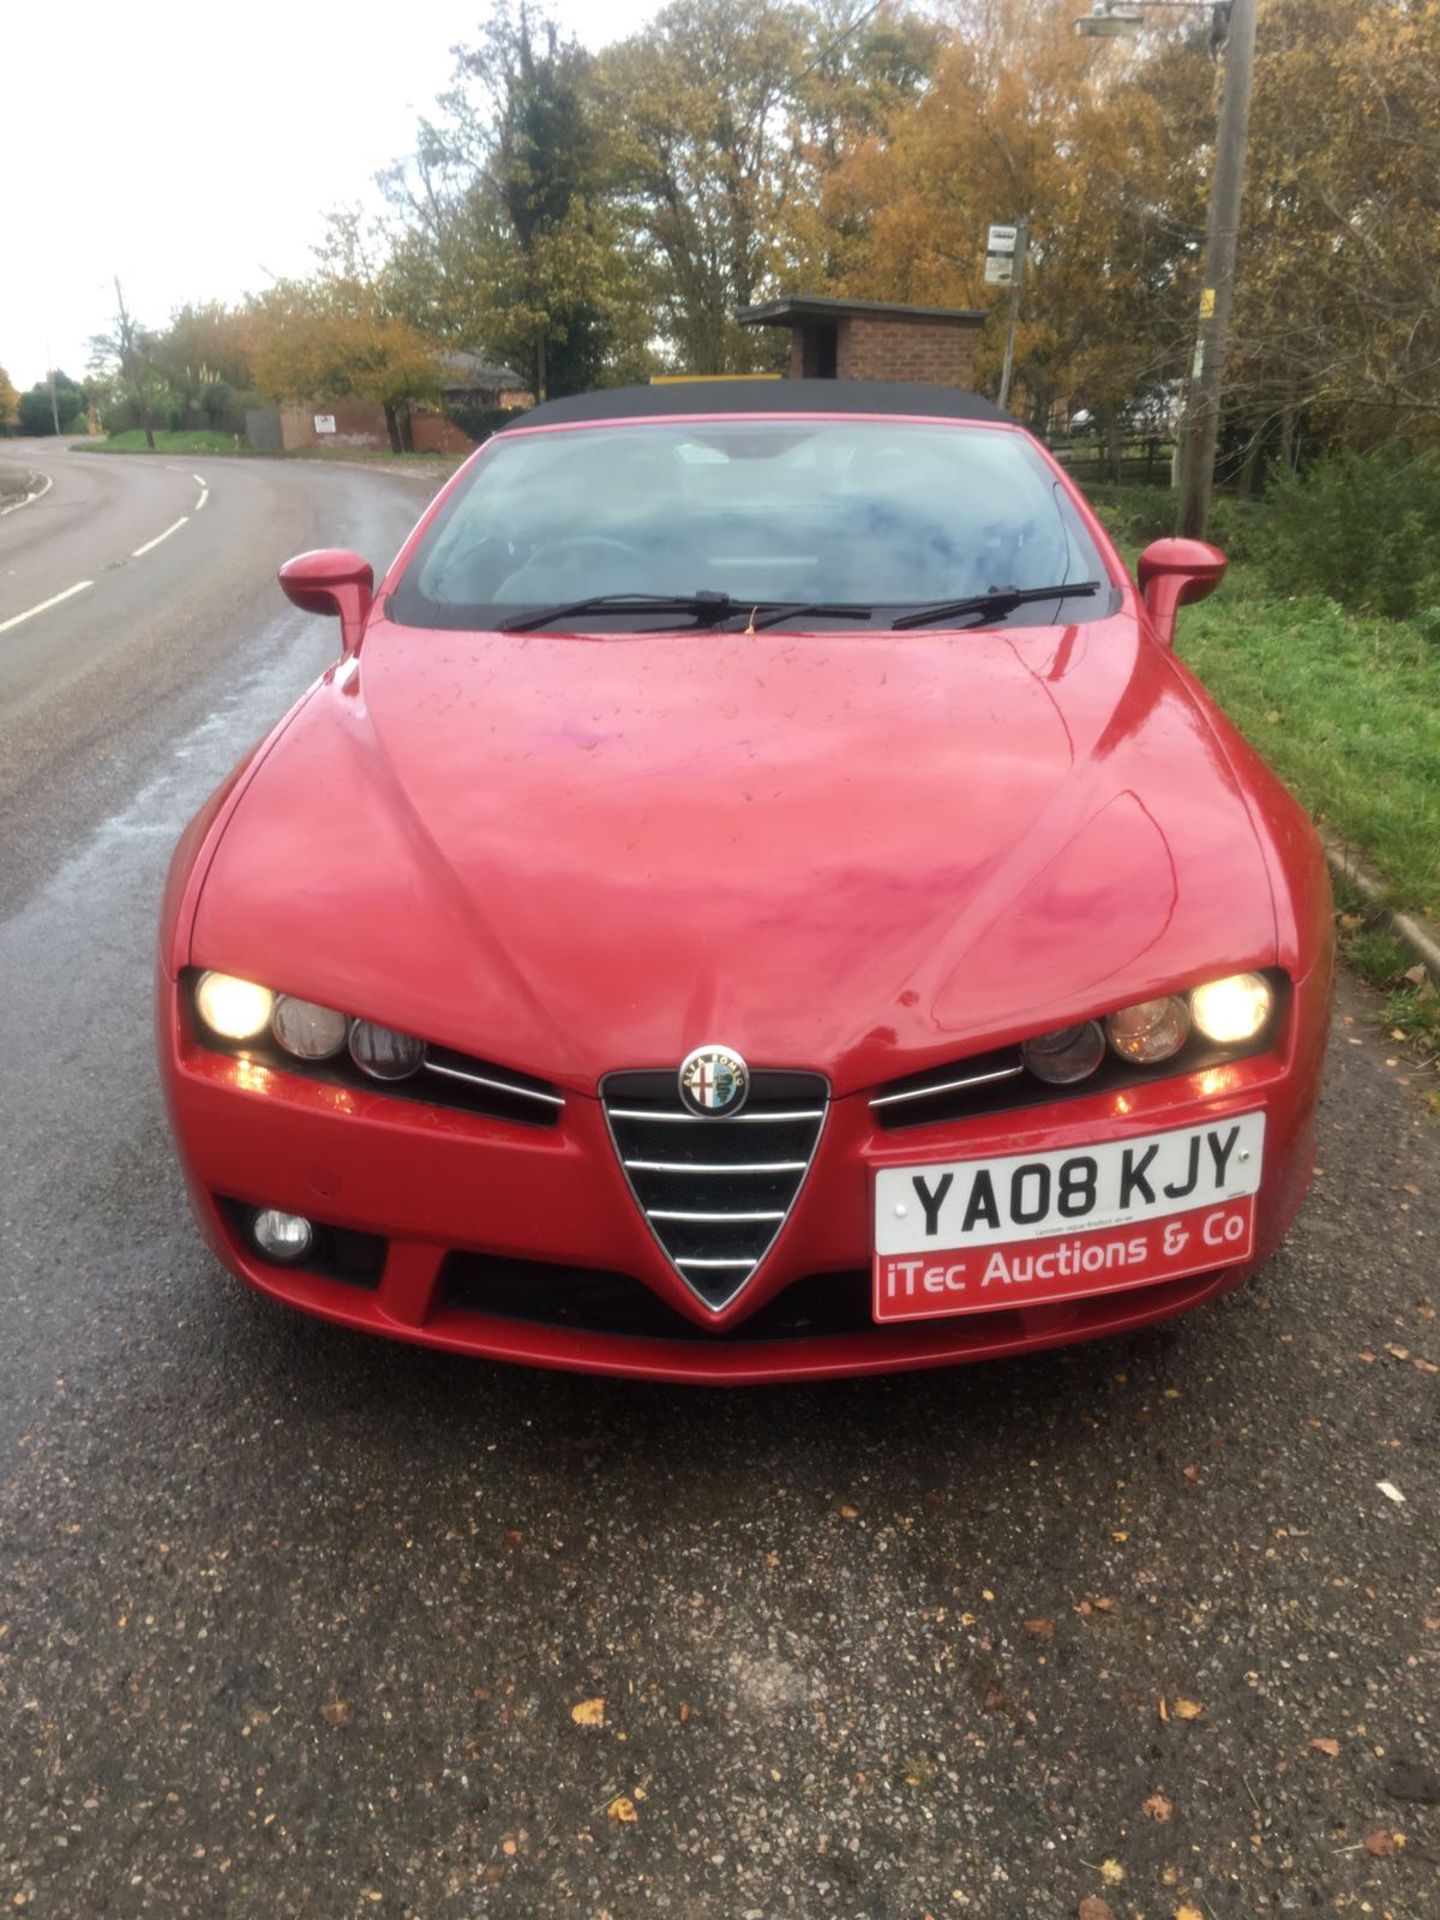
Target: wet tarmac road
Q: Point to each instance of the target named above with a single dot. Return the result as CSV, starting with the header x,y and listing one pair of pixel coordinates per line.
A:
x,y
296,1623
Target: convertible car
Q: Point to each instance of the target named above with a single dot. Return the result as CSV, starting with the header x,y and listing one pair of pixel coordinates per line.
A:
x,y
757,897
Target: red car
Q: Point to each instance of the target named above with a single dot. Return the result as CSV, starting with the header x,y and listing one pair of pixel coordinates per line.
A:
x,y
757,897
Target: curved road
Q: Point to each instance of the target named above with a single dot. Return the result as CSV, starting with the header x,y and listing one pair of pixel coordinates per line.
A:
x,y
292,1623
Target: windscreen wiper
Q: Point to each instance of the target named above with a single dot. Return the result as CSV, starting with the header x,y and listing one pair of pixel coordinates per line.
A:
x,y
708,606
997,600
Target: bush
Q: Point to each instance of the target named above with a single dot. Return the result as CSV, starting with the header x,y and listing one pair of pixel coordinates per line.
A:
x,y
1362,528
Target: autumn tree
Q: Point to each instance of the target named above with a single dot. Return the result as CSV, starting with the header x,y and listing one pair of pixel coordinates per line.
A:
x,y
329,339
1022,118
9,400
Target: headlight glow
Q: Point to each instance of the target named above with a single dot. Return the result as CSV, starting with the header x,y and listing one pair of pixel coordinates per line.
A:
x,y
1232,1010
1150,1031
232,1008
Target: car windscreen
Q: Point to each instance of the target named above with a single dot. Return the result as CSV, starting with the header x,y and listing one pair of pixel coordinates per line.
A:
x,y
881,513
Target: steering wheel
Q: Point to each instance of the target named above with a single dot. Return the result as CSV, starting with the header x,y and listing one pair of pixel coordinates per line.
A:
x,y
599,546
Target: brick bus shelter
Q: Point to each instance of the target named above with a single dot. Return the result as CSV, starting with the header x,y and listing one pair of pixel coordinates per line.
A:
x,y
873,339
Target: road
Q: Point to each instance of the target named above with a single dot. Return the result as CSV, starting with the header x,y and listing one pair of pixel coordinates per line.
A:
x,y
293,1623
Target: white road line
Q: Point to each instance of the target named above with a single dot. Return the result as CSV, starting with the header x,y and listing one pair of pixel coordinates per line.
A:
x,y
53,601
29,498
160,536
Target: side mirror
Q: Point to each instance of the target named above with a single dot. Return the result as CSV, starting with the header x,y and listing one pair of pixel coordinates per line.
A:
x,y
332,580
1174,574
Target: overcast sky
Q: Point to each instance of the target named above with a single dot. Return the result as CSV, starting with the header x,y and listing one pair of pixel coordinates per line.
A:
x,y
195,150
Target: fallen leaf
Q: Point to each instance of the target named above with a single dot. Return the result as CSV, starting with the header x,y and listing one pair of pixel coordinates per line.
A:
x,y
1398,1353
1041,1629
847,1512
1391,1491
1416,975
622,1808
335,1713
588,1713
1162,1709
1092,1907
1191,1473
684,1711
1111,1872
1158,1808
1120,1534
1331,1748
1186,1912
1381,1843
1188,1709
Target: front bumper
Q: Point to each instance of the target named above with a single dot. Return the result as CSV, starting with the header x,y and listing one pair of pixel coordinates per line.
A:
x,y
453,1194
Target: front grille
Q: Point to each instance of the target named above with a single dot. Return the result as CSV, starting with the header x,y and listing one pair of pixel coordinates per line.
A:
x,y
715,1193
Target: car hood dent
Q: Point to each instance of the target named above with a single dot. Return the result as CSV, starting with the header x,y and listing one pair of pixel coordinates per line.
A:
x,y
863,854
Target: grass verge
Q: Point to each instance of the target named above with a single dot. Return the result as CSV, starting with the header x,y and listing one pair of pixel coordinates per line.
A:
x,y
193,440
1347,711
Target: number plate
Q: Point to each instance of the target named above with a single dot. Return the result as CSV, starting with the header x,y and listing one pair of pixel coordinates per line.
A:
x,y
967,1235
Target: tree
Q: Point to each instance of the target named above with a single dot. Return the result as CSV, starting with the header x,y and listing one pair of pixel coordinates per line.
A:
x,y
1021,117
56,396
125,353
330,339
504,236
9,400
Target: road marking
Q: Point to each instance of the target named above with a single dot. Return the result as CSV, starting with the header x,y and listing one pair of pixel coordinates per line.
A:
x,y
29,498
199,480
160,536
53,601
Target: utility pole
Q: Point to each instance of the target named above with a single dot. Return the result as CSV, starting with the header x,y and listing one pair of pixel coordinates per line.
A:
x,y
1200,424
1022,247
54,403
132,361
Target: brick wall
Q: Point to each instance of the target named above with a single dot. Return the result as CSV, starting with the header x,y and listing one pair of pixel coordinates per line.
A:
x,y
936,352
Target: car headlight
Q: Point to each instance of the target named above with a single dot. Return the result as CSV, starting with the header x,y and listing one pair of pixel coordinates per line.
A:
x,y
1150,1031
1067,1055
308,1031
1232,1010
383,1053
233,1009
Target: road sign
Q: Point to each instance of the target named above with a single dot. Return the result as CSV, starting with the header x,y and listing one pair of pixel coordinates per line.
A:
x,y
1004,257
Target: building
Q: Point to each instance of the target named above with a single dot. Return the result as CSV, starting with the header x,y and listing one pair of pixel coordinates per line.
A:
x,y
873,339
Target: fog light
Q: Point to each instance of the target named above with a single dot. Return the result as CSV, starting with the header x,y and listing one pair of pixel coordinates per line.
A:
x,y
283,1237
1234,1010
1150,1031
308,1031
1065,1056
233,1009
383,1053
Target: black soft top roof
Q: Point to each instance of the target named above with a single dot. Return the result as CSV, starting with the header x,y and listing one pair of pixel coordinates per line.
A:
x,y
759,396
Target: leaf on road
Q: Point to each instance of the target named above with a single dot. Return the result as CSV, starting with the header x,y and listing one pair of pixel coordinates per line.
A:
x,y
1092,1907
335,1713
1158,1808
622,1808
1188,1709
1381,1843
847,1512
1112,1873
1041,1629
1329,1747
1391,1491
1186,1912
588,1713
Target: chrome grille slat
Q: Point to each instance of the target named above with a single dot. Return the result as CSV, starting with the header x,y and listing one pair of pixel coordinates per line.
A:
x,y
500,1086
697,1120
947,1086
714,1206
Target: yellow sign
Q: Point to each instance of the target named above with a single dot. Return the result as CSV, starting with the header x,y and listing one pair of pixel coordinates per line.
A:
x,y
692,379
1207,304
